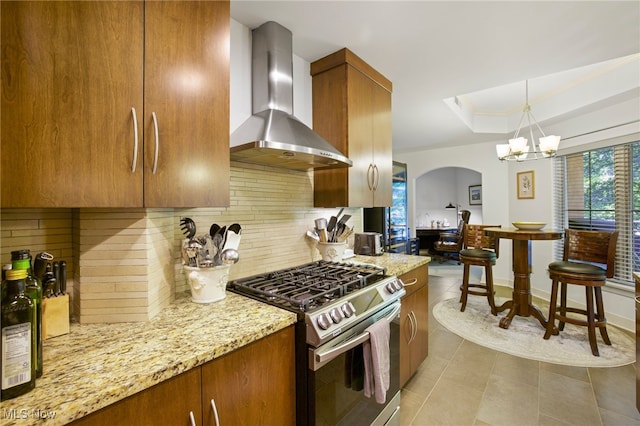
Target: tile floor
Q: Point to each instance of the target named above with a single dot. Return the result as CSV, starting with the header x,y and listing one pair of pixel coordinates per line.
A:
x,y
462,383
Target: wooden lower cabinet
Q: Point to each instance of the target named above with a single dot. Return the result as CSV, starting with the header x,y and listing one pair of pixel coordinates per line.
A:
x,y
168,403
414,322
254,385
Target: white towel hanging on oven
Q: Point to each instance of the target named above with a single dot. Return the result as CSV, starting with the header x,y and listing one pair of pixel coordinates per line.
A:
x,y
376,361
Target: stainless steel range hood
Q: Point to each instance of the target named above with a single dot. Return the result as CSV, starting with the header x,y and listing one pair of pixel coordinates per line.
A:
x,y
272,136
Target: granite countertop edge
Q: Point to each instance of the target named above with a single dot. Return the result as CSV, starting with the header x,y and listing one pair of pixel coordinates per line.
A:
x,y
96,365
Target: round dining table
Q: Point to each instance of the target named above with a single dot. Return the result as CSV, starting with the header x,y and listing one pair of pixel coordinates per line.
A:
x,y
521,303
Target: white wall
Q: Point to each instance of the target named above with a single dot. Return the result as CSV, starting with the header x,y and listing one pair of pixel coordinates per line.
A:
x,y
437,188
500,202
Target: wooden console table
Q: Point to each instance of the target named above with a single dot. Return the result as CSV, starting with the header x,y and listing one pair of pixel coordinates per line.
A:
x,y
428,236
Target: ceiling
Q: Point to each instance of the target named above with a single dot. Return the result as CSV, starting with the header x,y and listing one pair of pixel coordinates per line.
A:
x,y
459,68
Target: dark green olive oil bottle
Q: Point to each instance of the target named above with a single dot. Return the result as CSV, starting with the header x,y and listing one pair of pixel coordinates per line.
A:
x,y
21,259
17,342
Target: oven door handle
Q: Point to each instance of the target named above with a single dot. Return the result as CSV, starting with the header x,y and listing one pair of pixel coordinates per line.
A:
x,y
321,358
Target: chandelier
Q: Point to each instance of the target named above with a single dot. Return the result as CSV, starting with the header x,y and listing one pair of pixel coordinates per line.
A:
x,y
521,149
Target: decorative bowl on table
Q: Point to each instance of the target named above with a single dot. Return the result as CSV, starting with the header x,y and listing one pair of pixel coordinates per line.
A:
x,y
529,226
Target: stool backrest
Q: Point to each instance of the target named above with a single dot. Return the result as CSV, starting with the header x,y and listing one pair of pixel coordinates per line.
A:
x,y
591,246
474,237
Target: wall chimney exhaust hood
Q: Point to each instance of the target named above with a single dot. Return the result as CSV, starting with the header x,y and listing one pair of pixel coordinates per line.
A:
x,y
272,136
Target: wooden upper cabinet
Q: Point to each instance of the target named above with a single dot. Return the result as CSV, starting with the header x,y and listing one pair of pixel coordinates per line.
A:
x,y
71,72
80,80
352,110
186,74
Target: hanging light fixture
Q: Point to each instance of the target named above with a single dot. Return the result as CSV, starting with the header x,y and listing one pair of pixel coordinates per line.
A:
x,y
521,149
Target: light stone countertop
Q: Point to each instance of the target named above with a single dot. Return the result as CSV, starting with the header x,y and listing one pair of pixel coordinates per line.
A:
x,y
396,264
96,365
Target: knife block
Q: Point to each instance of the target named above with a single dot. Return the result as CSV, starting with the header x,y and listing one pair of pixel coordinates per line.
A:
x,y
55,316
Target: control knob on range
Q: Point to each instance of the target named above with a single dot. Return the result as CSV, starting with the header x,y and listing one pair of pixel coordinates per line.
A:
x,y
336,315
323,321
394,286
348,309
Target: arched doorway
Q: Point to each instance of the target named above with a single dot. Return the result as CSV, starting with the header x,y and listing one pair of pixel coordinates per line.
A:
x,y
437,188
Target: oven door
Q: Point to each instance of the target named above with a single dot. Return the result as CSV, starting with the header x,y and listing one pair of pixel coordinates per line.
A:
x,y
335,389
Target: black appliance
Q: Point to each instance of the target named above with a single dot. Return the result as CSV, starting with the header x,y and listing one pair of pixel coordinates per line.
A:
x,y
335,303
392,222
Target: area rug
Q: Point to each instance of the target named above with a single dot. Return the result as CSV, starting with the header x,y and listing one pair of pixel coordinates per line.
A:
x,y
524,336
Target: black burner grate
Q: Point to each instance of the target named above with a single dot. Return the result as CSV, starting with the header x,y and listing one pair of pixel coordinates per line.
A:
x,y
305,287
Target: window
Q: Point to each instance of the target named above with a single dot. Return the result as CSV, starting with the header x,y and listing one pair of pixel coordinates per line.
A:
x,y
600,190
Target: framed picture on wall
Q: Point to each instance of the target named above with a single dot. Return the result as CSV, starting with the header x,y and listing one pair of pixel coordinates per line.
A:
x,y
475,195
526,185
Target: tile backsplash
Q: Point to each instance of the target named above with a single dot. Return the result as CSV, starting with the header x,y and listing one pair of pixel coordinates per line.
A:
x,y
124,264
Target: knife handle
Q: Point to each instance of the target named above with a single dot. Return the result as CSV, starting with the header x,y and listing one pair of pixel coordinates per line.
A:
x,y
56,275
63,277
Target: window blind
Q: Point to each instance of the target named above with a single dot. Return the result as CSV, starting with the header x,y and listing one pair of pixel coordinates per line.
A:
x,y
597,190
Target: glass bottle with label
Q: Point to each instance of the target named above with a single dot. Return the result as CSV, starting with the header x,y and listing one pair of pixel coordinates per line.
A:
x,y
21,259
17,344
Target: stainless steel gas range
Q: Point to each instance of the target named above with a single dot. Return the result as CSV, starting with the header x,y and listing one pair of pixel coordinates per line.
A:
x,y
336,303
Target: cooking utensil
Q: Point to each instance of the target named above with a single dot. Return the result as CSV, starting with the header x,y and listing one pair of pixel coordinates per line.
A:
x,y
218,241
346,234
341,226
313,235
321,223
232,237
332,223
229,256
214,229
188,227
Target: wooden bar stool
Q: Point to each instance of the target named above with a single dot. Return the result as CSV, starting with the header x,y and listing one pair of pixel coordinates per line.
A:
x,y
480,250
581,250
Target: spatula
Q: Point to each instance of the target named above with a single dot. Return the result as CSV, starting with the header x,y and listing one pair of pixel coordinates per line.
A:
x,y
233,237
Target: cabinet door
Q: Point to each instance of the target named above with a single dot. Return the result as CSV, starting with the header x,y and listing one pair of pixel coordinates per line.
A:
x,y
420,345
168,403
71,72
186,74
407,328
361,174
352,110
414,317
382,145
331,187
254,384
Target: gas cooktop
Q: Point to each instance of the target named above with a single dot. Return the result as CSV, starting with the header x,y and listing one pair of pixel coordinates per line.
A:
x,y
329,297
309,286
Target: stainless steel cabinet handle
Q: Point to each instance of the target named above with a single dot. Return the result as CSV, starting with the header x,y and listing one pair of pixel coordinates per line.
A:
x,y
415,329
215,412
155,129
376,177
370,173
135,140
192,419
410,321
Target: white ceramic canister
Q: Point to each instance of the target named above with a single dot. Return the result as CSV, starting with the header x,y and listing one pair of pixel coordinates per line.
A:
x,y
208,284
332,251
